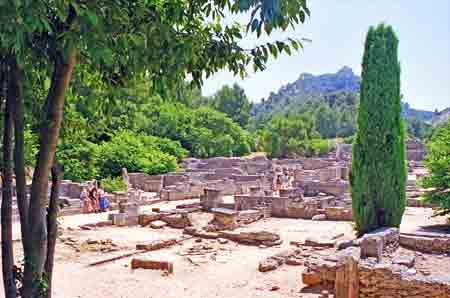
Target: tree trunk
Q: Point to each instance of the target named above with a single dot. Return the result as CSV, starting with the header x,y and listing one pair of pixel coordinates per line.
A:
x,y
6,208
19,163
48,139
52,224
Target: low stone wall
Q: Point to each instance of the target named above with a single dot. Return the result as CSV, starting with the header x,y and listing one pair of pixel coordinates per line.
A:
x,y
253,168
415,151
172,179
378,281
339,213
145,182
246,202
424,243
336,188
418,202
368,279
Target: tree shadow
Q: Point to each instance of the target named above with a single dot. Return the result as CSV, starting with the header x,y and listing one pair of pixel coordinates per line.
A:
x,y
435,229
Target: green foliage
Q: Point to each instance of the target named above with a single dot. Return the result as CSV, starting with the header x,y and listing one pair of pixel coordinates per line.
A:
x,y
136,153
349,140
111,184
437,162
204,131
30,147
79,160
292,136
334,113
320,147
418,128
378,175
233,102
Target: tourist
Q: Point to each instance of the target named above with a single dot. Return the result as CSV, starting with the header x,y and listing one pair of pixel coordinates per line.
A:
x,y
83,197
291,178
103,201
88,205
278,184
285,179
93,197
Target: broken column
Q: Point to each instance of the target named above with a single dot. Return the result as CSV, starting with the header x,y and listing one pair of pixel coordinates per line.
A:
x,y
372,247
212,198
346,284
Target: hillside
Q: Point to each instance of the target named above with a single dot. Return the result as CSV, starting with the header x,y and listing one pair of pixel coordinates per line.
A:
x,y
441,117
308,88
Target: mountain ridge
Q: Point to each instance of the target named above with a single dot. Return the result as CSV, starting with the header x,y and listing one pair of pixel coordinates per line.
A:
x,y
309,86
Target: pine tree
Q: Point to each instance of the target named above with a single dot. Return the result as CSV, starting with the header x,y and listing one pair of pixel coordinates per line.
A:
x,y
379,170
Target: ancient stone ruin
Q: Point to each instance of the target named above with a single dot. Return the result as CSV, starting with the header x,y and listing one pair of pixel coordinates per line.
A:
x,y
379,264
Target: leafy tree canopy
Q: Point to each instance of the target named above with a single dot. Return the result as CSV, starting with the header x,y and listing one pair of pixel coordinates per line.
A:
x,y
437,162
166,39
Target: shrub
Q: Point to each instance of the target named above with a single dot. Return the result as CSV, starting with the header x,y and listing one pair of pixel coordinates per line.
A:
x,y
320,147
437,162
135,153
79,160
349,140
111,184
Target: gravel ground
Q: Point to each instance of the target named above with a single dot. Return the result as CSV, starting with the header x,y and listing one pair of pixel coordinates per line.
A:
x,y
231,272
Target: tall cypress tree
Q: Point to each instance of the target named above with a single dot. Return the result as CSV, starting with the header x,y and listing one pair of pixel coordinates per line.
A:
x,y
379,170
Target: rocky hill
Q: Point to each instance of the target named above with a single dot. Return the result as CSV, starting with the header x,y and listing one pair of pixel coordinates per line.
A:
x,y
310,87
441,117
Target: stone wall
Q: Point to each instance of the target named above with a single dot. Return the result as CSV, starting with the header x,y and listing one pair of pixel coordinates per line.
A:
x,y
145,182
426,243
415,151
246,202
336,188
378,281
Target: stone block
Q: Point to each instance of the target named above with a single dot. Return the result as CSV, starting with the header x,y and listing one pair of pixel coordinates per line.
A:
x,y
119,219
156,245
372,247
405,260
319,217
178,221
338,213
346,284
319,242
157,224
140,263
269,264
147,217
311,278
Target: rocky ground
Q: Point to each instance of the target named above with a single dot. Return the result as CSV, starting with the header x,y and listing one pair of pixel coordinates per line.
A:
x,y
205,269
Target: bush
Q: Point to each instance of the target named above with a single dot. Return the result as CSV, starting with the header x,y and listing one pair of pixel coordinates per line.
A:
x,y
134,152
204,132
437,162
165,145
79,160
349,140
111,184
320,147
288,136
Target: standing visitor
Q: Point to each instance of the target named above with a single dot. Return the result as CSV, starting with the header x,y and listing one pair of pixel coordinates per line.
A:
x,y
93,197
278,184
285,179
291,178
103,201
83,196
